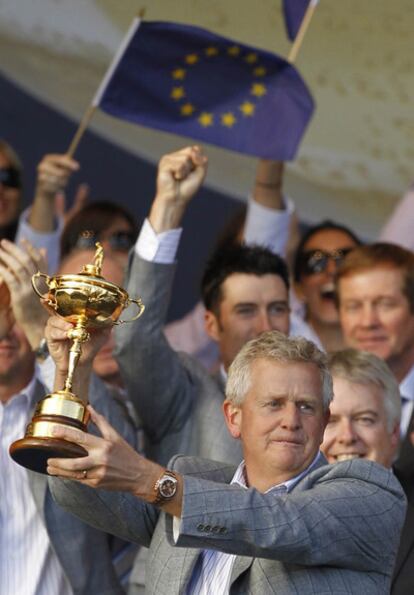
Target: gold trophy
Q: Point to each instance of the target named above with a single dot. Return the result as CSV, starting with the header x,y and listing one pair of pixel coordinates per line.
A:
x,y
88,301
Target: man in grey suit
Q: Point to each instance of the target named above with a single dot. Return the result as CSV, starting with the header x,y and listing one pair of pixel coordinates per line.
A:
x,y
245,291
282,522
43,549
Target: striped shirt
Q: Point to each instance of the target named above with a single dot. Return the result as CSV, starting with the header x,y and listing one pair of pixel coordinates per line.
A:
x,y
28,563
212,572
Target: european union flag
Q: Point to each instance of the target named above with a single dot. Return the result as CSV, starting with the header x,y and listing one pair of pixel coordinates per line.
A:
x,y
191,82
294,11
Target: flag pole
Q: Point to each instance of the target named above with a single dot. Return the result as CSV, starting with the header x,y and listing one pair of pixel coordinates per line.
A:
x,y
307,17
87,116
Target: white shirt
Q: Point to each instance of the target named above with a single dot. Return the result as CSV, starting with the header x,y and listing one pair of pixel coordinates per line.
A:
x,y
212,572
49,240
407,402
28,563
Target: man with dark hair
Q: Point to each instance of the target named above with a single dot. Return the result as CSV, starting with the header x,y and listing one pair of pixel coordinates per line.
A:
x,y
246,293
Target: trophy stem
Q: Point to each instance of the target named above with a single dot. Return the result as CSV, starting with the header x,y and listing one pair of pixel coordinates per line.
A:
x,y
79,335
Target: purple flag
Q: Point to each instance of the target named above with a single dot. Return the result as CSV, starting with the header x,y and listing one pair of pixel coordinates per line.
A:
x,y
294,11
192,82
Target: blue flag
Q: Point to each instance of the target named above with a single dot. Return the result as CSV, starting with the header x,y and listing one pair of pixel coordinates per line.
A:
x,y
194,83
294,11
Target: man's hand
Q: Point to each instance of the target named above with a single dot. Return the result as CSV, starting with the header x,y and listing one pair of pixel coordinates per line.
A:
x,y
17,267
53,174
56,334
111,464
180,175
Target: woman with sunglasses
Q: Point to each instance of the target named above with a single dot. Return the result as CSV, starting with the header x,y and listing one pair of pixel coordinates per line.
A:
x,y
318,255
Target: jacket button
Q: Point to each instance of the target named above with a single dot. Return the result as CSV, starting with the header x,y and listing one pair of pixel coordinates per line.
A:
x,y
223,530
216,529
207,528
200,527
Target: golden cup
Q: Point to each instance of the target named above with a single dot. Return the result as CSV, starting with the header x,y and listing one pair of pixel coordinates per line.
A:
x,y
88,301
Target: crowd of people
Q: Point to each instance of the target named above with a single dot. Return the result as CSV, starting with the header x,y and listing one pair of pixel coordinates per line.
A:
x,y
261,444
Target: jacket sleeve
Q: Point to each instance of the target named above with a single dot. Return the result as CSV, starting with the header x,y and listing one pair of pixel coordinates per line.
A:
x,y
159,385
348,517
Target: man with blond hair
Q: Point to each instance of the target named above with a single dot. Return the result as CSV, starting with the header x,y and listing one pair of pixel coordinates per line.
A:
x,y
280,522
365,424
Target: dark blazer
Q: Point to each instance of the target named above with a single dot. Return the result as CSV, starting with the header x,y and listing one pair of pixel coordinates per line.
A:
x,y
84,552
403,579
335,533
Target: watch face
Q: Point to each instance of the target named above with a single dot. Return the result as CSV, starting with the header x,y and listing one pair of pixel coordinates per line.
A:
x,y
167,487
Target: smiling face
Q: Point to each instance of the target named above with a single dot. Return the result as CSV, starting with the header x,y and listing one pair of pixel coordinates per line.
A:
x,y
250,305
376,316
317,289
357,427
280,422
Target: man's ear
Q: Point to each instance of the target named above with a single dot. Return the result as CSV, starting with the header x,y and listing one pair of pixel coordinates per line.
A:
x,y
212,325
233,418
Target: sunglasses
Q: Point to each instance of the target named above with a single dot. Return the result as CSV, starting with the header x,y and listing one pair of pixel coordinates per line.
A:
x,y
316,261
10,177
121,241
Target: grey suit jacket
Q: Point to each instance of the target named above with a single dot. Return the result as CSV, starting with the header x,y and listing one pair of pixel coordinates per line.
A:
x,y
178,402
84,552
336,532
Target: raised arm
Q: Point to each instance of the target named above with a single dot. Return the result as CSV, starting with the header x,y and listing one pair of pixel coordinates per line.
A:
x,y
160,387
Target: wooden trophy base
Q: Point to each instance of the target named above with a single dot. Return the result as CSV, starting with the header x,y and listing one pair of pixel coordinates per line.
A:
x,y
34,452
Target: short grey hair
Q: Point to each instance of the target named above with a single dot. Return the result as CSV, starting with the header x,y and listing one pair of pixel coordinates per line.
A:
x,y
275,347
361,367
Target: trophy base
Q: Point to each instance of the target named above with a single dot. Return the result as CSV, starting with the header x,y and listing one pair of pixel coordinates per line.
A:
x,y
33,453
60,409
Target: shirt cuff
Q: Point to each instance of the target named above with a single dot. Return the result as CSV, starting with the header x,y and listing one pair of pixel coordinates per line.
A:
x,y
268,227
176,528
159,248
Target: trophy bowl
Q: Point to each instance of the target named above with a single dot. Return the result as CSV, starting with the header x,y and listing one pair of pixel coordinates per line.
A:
x,y
88,301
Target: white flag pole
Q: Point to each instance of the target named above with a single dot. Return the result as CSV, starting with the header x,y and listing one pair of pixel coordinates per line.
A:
x,y
87,116
307,17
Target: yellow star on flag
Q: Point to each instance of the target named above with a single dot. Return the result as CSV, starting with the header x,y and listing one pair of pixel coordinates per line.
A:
x,y
259,71
205,119
228,119
258,89
251,58
179,74
211,51
191,58
177,93
234,50
187,109
247,108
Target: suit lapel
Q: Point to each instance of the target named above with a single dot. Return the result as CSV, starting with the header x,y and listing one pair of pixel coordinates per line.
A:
x,y
241,564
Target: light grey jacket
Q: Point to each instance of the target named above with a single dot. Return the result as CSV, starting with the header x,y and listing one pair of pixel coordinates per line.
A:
x,y
178,402
336,532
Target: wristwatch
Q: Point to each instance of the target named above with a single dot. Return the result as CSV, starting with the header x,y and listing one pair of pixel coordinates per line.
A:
x,y
165,487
